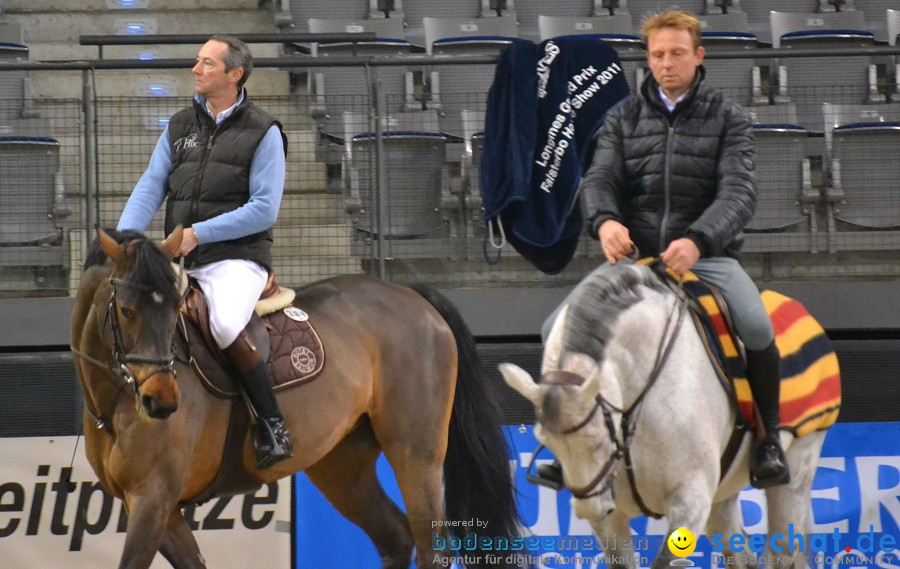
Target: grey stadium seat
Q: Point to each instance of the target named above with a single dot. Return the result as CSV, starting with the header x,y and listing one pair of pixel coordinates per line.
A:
x,y
849,79
454,88
336,90
13,84
34,252
785,218
864,204
414,186
739,79
893,30
303,10
340,89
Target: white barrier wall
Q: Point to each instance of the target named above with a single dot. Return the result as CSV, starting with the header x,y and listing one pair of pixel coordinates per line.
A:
x,y
40,525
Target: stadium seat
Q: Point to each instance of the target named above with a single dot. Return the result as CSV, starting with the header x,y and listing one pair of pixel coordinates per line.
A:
x,y
849,79
864,205
639,9
336,90
34,251
529,11
14,85
454,88
785,218
473,135
893,30
740,79
615,30
301,11
410,183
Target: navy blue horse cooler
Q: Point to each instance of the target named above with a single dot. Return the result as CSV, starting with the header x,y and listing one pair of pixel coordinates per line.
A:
x,y
544,107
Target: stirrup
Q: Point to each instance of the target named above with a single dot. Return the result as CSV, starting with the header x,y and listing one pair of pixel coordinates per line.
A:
x,y
780,476
548,475
278,447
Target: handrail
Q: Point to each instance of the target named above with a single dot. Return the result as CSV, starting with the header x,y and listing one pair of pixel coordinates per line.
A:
x,y
412,60
295,61
179,39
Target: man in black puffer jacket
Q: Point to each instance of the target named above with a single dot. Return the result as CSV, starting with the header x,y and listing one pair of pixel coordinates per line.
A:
x,y
673,175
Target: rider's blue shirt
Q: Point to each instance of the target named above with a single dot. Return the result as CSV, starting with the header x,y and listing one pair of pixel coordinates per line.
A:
x,y
267,172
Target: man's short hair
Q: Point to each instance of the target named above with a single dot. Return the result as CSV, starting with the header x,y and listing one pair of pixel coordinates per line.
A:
x,y
238,56
675,19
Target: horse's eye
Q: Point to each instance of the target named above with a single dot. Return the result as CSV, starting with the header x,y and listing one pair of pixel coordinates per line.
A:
x,y
128,313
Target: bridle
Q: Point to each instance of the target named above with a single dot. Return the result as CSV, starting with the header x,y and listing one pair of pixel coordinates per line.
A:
x,y
120,372
604,479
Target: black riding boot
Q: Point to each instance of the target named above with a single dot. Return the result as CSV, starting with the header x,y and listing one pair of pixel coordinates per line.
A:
x,y
768,464
272,442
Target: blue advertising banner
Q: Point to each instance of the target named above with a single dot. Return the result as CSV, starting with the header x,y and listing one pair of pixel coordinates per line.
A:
x,y
855,513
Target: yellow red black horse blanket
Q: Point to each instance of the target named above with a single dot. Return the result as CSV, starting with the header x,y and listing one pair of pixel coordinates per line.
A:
x,y
810,376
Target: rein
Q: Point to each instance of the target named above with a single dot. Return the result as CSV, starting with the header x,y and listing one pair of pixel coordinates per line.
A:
x,y
629,417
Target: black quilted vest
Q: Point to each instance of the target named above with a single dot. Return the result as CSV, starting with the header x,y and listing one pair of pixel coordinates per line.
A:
x,y
210,176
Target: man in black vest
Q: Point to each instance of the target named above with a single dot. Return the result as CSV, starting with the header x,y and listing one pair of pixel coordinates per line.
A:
x,y
220,166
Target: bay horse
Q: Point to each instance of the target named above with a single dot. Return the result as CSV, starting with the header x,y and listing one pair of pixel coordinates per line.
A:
x,y
403,378
632,407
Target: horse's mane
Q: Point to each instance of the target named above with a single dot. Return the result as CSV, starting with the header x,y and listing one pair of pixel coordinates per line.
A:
x,y
151,268
595,308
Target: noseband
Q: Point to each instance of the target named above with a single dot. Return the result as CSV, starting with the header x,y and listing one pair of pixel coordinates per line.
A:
x,y
628,421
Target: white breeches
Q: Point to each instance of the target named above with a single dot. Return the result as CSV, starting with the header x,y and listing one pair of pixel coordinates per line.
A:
x,y
232,288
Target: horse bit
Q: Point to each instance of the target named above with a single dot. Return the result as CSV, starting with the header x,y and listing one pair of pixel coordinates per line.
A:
x,y
628,422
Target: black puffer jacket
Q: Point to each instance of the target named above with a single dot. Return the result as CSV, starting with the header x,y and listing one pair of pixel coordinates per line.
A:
x,y
688,174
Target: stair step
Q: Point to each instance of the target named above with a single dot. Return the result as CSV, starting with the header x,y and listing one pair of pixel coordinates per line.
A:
x,y
36,6
122,83
66,26
73,51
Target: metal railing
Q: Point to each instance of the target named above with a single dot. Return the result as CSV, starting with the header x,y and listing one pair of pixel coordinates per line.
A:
x,y
340,212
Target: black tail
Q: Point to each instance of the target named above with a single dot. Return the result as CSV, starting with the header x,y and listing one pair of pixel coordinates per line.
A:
x,y
477,481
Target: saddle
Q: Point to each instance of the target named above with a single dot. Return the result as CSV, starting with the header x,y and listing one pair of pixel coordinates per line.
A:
x,y
281,332
288,344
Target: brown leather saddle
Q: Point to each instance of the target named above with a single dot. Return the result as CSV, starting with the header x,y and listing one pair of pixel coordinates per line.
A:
x,y
281,332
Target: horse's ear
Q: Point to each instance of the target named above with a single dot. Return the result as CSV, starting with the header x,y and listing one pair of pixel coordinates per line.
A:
x,y
172,243
554,345
109,246
521,381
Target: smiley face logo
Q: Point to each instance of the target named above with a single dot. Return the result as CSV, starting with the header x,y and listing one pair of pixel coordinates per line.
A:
x,y
682,542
